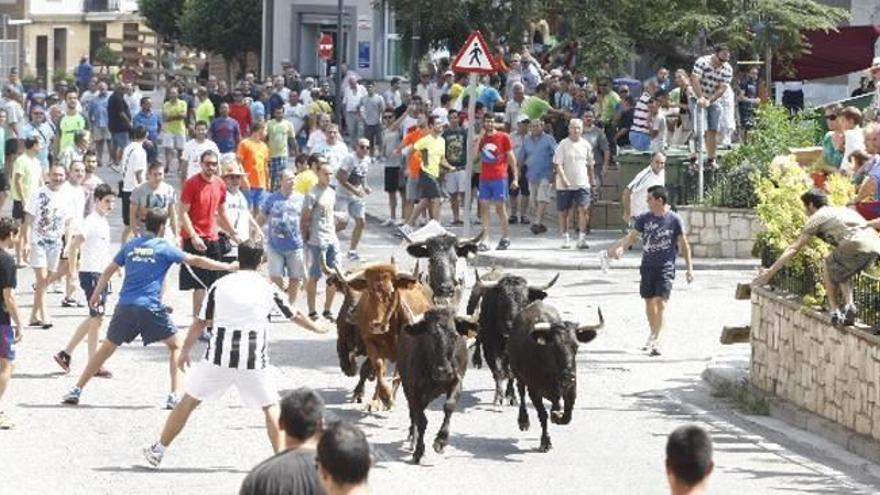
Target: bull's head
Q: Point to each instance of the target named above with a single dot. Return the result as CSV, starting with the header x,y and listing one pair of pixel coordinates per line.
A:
x,y
380,283
442,252
438,330
536,292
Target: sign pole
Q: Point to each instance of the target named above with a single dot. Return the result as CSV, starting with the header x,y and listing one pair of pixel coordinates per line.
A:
x,y
471,149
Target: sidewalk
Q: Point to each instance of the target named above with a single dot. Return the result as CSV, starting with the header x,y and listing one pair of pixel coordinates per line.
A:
x,y
540,251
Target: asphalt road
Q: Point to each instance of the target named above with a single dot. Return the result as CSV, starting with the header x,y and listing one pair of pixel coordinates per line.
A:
x,y
627,404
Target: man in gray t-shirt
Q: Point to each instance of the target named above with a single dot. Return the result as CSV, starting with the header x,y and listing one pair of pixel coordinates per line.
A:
x,y
318,225
153,195
372,106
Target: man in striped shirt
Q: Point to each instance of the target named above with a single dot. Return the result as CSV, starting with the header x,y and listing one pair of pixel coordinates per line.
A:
x,y
237,306
710,78
640,132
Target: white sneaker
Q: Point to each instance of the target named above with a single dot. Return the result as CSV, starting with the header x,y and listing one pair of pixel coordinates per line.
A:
x,y
566,242
389,222
153,455
648,344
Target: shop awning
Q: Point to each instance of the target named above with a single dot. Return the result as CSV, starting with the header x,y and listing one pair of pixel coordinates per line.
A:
x,y
835,53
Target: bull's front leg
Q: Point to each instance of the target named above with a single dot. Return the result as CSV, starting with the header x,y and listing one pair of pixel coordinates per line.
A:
x,y
523,419
421,422
538,402
564,417
509,393
381,393
498,374
366,373
382,384
442,438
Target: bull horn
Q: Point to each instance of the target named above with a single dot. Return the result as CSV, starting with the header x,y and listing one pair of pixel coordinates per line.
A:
x,y
326,269
584,328
416,270
476,240
342,278
542,325
546,286
484,285
393,260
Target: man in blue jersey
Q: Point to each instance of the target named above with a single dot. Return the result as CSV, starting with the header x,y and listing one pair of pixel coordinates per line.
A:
x,y
140,311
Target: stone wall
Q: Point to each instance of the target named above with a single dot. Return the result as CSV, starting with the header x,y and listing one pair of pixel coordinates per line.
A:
x,y
799,357
720,232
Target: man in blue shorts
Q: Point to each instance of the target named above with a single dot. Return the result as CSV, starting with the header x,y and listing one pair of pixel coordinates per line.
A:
x,y
10,323
497,157
140,311
663,236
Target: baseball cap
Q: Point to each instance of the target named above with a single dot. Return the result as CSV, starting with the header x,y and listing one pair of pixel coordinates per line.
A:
x,y
232,167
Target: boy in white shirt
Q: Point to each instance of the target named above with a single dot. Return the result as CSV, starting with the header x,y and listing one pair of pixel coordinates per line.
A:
x,y
93,242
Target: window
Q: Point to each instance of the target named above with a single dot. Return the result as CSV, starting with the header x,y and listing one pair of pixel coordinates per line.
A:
x,y
395,64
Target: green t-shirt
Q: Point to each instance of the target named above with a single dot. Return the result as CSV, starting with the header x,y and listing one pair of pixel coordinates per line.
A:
x,y
30,171
279,132
435,148
177,127
69,125
609,105
205,111
535,108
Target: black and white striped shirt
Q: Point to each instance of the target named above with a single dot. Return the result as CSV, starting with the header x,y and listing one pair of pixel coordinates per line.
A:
x,y
710,76
238,305
642,115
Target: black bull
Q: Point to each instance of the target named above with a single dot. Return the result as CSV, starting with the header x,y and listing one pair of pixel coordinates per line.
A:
x,y
499,304
442,252
543,351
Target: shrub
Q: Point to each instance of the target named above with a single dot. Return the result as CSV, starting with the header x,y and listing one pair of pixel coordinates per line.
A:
x,y
774,133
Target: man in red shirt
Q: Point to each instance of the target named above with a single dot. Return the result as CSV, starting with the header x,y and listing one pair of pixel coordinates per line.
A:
x,y
497,156
241,112
201,207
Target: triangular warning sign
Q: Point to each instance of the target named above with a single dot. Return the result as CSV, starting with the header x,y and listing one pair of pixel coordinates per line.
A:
x,y
474,56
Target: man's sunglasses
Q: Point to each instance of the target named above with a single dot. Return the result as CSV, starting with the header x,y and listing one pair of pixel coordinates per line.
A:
x,y
831,117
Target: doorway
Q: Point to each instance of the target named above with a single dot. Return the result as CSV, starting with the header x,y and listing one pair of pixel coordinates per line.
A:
x,y
59,50
42,57
97,35
309,61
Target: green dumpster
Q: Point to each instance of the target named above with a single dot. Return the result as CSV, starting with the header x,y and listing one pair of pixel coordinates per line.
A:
x,y
682,186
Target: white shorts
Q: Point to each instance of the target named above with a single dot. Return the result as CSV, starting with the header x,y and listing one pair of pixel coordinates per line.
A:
x,y
457,182
257,388
175,141
45,256
543,191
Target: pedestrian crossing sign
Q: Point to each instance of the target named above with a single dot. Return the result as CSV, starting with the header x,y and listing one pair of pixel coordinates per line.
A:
x,y
474,56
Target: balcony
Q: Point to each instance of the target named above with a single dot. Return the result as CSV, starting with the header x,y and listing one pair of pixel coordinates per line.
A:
x,y
100,6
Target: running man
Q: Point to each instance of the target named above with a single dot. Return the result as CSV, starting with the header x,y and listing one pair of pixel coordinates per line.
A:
x,y
237,307
146,260
10,322
663,237
498,158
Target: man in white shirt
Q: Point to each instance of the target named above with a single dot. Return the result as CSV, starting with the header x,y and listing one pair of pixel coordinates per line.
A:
x,y
47,220
635,195
134,172
296,112
305,96
69,265
392,96
193,149
334,150
574,175
351,101
93,240
514,105
318,137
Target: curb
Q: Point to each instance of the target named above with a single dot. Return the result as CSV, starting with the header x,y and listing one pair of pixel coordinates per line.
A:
x,y
487,260
721,372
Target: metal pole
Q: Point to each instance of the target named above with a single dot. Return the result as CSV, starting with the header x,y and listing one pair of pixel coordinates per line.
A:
x,y
700,134
414,51
339,47
469,167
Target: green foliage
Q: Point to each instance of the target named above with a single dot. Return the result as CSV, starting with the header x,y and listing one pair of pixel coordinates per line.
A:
x,y
229,28
162,16
735,188
62,75
744,397
774,133
108,56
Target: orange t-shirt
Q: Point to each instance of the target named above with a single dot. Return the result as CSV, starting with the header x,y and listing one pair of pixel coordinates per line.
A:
x,y
414,161
254,157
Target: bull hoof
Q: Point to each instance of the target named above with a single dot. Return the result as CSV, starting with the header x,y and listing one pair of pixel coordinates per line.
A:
x,y
545,445
498,401
439,446
388,405
556,417
524,425
513,401
358,399
374,406
418,454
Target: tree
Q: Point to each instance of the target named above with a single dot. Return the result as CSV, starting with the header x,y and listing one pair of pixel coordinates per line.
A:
x,y
229,28
162,17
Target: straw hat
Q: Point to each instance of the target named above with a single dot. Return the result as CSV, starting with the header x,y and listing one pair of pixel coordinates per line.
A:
x,y
232,167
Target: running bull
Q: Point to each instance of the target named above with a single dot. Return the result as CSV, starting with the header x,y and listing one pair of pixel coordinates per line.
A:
x,y
543,351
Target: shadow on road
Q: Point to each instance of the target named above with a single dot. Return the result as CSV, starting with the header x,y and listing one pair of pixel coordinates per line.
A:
x,y
85,406
154,472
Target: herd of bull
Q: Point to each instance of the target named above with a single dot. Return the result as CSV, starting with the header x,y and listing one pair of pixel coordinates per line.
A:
x,y
391,316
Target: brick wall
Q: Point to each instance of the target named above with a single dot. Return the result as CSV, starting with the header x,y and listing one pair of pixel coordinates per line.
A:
x,y
799,357
720,232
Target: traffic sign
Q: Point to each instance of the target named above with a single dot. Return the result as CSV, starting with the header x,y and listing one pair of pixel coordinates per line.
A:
x,y
325,46
475,56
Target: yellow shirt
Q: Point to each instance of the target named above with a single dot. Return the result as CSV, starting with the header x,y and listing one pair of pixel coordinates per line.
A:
x,y
305,181
205,111
435,148
177,127
455,91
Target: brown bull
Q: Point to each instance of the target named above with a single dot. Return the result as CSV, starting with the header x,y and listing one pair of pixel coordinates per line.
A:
x,y
389,301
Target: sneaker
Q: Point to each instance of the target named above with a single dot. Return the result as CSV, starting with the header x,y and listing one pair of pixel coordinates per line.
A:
x,y
153,455
456,223
103,373
503,244
205,336
513,219
582,244
849,315
56,288
69,302
171,401
524,220
837,318
116,168
5,422
655,350
389,222
63,360
353,256
313,316
535,228
72,397
328,316
543,228
566,242
648,344
482,247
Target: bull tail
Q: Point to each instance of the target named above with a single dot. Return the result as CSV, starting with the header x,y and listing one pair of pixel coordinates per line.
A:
x,y
477,358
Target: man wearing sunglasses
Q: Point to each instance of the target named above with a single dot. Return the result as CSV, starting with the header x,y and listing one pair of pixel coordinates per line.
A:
x,y
353,188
